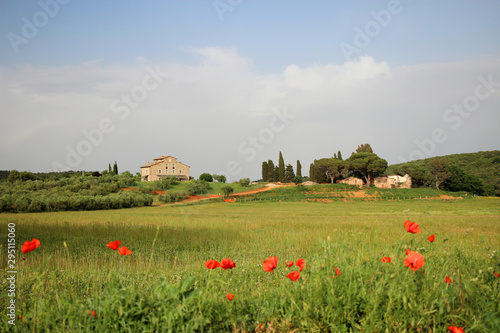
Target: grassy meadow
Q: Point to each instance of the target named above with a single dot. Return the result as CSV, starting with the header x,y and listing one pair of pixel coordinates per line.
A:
x,y
164,286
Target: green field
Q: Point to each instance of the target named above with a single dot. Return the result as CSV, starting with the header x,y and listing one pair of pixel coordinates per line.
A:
x,y
164,285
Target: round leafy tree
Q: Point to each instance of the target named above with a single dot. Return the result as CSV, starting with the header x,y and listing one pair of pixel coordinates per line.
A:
x,y
206,177
368,164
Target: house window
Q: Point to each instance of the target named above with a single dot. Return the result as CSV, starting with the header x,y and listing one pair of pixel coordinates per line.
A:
x,y
180,171
147,170
166,171
159,171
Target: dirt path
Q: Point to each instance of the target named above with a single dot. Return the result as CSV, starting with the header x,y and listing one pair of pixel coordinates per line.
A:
x,y
268,187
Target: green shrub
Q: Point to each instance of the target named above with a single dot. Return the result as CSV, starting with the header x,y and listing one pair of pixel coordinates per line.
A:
x,y
297,180
172,197
219,178
195,187
245,182
227,190
168,182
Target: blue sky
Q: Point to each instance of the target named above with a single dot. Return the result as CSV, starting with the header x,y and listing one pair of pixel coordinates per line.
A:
x,y
272,33
231,65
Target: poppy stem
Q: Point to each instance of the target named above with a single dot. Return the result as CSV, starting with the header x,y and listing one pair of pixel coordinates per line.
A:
x,y
400,244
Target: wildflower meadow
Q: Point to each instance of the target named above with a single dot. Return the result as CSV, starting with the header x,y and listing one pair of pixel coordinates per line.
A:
x,y
411,266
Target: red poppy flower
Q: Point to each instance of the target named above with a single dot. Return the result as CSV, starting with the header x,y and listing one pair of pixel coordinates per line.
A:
x,y
29,246
227,264
431,238
448,280
414,260
270,264
385,259
93,313
289,263
412,227
114,245
496,274
300,264
212,264
337,271
455,329
230,297
294,276
124,251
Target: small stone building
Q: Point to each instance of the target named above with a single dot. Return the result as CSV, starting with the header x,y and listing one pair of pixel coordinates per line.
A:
x,y
393,181
162,167
352,181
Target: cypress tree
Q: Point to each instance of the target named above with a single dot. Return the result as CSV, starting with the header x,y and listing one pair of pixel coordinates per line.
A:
x,y
299,169
281,169
311,172
339,155
115,168
265,172
289,174
270,171
276,174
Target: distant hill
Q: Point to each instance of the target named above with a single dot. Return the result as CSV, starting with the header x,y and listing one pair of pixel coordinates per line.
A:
x,y
484,164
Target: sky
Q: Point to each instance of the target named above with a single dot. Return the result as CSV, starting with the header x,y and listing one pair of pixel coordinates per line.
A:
x,y
224,85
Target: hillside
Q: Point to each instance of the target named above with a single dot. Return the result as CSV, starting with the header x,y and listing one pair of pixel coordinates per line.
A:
x,y
483,164
346,193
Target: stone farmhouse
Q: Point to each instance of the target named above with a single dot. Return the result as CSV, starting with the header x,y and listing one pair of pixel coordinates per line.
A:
x,y
391,181
162,167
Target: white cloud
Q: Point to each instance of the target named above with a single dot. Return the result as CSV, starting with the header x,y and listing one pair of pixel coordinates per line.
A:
x,y
201,113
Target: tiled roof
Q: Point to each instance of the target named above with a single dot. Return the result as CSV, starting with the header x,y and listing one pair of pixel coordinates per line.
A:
x,y
151,164
161,159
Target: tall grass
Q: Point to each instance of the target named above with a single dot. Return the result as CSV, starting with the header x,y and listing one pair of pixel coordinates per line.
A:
x,y
167,288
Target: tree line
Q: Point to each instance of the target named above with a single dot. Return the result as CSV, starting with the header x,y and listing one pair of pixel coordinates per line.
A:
x,y
443,175
281,173
366,165
13,175
363,164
